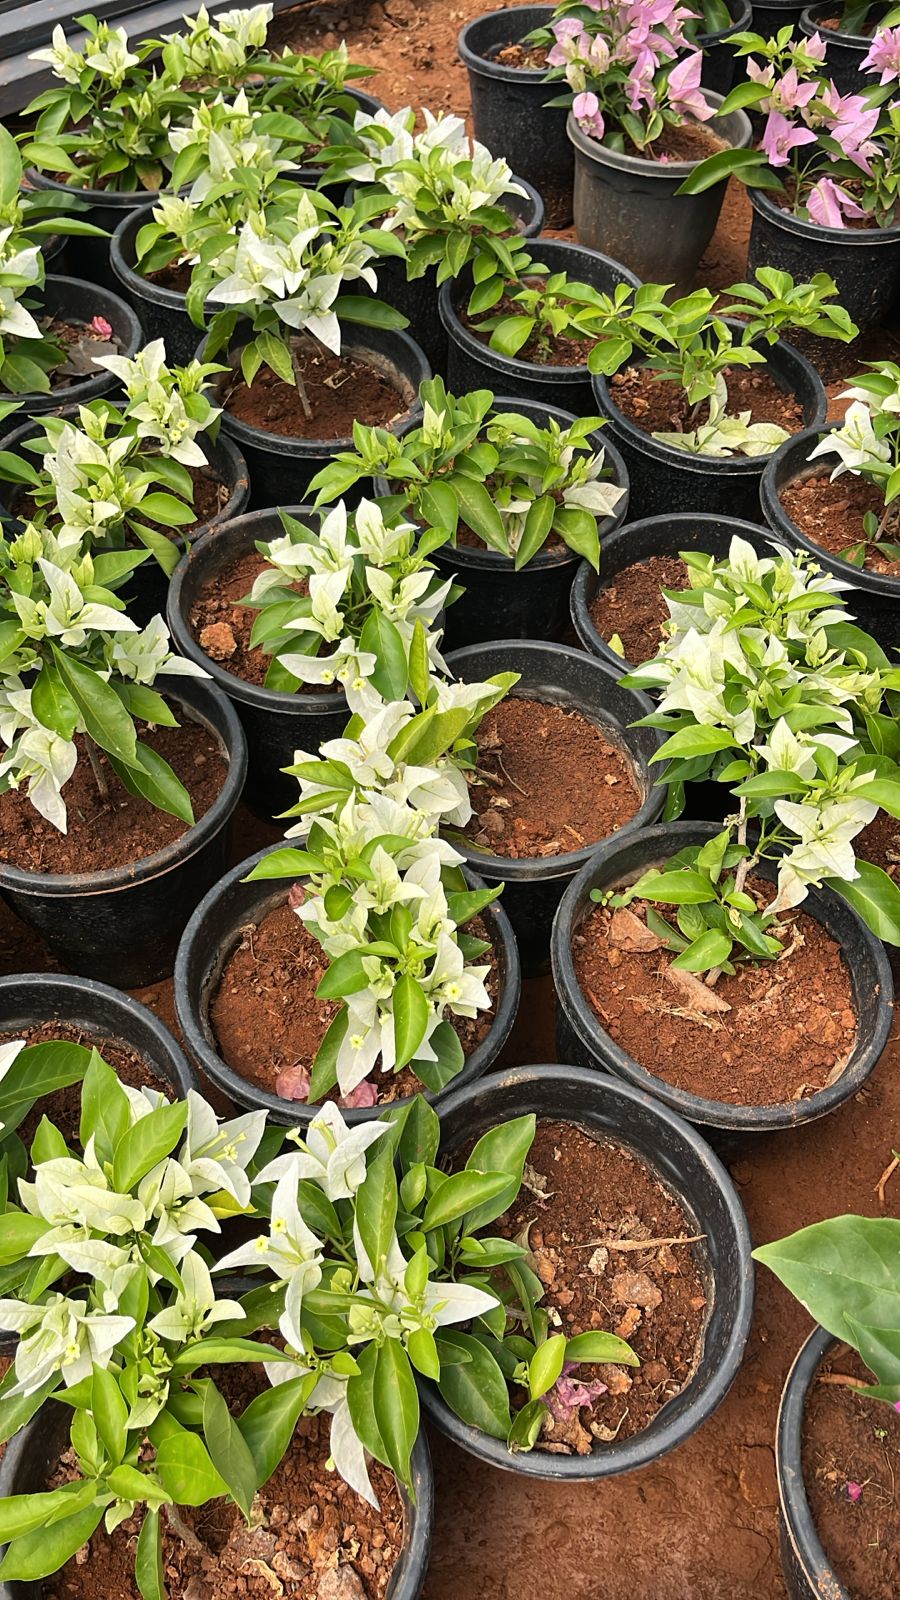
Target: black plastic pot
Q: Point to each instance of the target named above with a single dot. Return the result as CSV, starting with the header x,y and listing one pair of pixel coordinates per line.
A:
x,y
844,52
281,467
148,587
74,300
720,64
629,208
472,364
768,18
875,600
161,311
582,1038
104,208
534,602
565,677
639,541
808,1573
210,938
275,724
509,106
864,262
127,920
33,1455
687,1167
664,479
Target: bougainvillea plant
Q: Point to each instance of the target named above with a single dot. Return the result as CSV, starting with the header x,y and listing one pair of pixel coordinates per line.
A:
x,y
867,445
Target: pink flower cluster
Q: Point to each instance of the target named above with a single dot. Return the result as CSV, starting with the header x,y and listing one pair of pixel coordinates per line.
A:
x,y
884,55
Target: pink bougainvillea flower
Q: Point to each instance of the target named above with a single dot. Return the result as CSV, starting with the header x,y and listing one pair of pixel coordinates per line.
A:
x,y
852,121
815,47
570,1394
790,94
828,204
571,42
639,87
884,55
101,326
684,90
854,1491
587,113
364,1095
780,137
292,1083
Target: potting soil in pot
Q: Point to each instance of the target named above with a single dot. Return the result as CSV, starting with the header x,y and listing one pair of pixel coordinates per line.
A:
x,y
632,607
315,1539
660,405
879,842
832,515
707,1040
81,343
63,1107
222,626
545,350
340,391
268,1024
118,828
615,1253
851,1471
547,782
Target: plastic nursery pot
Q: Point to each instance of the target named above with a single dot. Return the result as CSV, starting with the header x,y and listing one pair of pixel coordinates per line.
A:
x,y
102,207
844,51
281,467
509,106
472,364
73,300
148,586
33,1455
864,262
533,602
275,724
808,1573
127,920
417,298
720,64
209,939
687,1167
161,311
640,541
628,206
875,600
665,479
568,678
581,1037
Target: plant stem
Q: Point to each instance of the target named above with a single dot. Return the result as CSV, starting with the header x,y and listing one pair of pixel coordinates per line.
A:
x,y
186,1534
99,774
743,867
298,379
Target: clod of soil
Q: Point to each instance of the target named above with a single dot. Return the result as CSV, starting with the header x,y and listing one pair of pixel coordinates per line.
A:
x,y
660,405
547,782
267,1021
312,1538
222,626
631,604
707,1040
340,391
120,828
832,515
851,1470
63,1107
528,58
615,1252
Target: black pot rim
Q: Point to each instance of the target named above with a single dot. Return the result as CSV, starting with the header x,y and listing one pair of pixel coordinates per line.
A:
x,y
670,173
582,621
296,1112
251,694
509,366
66,990
811,16
776,516
523,869
652,1443
815,233
98,197
487,68
685,460
97,384
797,1520
785,1115
120,879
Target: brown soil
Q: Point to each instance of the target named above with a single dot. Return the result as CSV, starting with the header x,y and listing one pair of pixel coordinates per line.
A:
x,y
261,1037
832,514
692,141
64,1106
879,843
222,627
521,56
632,605
175,276
558,351
341,391
548,782
850,1440
582,1191
661,406
118,830
803,1003
316,1539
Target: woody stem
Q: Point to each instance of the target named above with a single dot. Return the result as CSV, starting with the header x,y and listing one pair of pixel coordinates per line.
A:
x,y
99,774
298,379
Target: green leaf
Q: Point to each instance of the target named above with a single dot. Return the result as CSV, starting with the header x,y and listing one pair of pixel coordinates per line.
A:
x,y
546,1365
460,1194
419,665
706,952
601,1347
502,1149
151,778
697,740
478,511
680,887
268,1422
423,1353
420,1137
52,704
166,509
527,1424
371,313
110,1413
139,701
538,523
148,1566
38,1070
511,334
46,1549
749,165
396,1403
186,1471
382,638
475,1389
228,1450
875,896
145,1143
376,1206
105,719
346,975
411,1013
105,1113
361,1404
450,1059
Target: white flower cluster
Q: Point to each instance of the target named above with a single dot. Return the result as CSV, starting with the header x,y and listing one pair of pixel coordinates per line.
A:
x,y
20,270
457,174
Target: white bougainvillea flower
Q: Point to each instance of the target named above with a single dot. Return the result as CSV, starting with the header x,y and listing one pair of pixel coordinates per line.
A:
x,y
195,1308
66,1339
329,1153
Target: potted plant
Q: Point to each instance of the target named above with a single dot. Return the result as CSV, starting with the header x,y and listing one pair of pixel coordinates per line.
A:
x,y
147,1349
521,491
717,368
99,826
857,38
284,608
640,124
844,1383
824,177
747,699
564,1304
832,491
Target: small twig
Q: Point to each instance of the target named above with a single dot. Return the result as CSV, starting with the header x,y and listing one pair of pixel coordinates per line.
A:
x,y
839,1378
885,1179
509,777
99,774
641,1244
